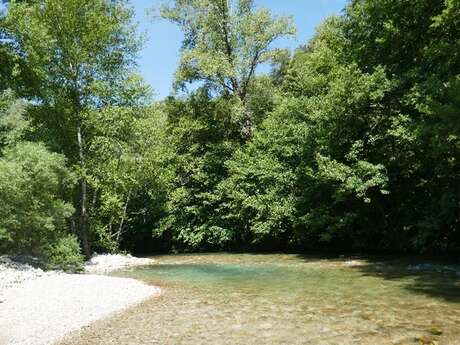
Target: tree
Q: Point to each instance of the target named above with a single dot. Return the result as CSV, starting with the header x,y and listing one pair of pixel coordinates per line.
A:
x,y
200,138
80,52
225,41
415,43
125,154
363,150
33,186
304,179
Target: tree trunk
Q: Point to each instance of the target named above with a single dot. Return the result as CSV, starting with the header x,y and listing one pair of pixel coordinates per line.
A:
x,y
83,197
125,211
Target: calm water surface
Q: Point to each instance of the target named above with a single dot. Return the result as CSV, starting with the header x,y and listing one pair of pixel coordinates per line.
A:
x,y
284,299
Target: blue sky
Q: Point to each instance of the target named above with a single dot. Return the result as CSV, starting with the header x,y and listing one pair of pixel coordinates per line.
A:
x,y
158,60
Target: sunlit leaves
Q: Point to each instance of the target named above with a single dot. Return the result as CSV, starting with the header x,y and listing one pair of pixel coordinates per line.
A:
x,y
225,41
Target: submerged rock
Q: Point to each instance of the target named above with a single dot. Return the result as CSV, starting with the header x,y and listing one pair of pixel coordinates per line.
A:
x,y
435,331
426,340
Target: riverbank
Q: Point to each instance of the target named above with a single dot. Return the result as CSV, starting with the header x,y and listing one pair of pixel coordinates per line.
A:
x,y
38,308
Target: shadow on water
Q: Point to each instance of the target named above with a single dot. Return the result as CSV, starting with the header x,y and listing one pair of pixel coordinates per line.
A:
x,y
431,280
431,277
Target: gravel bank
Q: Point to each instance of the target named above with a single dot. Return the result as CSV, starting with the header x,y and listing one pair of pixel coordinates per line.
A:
x,y
13,274
38,308
109,262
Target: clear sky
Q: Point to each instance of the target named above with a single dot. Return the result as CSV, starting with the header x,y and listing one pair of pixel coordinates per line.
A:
x,y
158,60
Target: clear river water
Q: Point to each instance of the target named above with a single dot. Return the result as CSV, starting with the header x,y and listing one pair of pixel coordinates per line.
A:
x,y
285,299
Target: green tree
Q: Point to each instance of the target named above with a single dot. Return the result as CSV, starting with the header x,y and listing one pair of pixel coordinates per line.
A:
x,y
33,186
201,139
125,155
225,41
363,150
304,177
80,54
415,42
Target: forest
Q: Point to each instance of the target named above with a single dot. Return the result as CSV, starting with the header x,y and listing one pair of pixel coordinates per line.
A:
x,y
349,143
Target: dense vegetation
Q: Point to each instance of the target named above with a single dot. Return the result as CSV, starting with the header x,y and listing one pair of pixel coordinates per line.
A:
x,y
351,143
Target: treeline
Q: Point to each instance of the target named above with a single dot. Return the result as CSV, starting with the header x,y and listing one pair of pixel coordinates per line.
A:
x,y
351,143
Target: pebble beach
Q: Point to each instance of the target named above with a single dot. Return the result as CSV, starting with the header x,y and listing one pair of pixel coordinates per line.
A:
x,y
40,308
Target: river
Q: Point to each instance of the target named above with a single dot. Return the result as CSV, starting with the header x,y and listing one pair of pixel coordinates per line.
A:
x,y
284,299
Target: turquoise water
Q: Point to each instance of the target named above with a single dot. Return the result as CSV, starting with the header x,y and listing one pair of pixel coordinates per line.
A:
x,y
285,299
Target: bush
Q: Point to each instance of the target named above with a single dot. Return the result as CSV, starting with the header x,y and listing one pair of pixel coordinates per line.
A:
x,y
33,183
33,214
65,254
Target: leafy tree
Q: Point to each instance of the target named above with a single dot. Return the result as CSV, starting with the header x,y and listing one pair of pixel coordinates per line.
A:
x,y
125,154
33,183
351,143
80,54
201,138
362,152
225,41
305,177
414,41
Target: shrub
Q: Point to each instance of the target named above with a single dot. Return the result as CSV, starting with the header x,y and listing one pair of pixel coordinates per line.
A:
x,y
65,254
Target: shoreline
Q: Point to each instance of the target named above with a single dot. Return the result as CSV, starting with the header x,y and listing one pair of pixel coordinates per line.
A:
x,y
41,308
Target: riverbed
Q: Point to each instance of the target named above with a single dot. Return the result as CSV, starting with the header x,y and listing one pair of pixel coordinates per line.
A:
x,y
284,299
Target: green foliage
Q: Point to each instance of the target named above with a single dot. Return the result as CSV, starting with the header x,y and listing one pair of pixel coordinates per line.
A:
x,y
32,213
126,151
414,42
32,183
346,159
73,45
65,254
257,201
201,136
225,41
80,58
13,125
351,143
